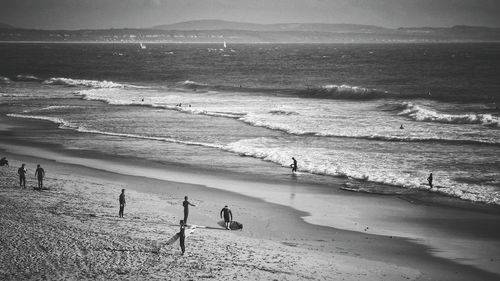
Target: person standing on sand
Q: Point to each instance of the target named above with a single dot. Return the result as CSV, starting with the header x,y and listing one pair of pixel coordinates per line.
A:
x,y
39,174
22,175
186,204
294,165
182,236
122,203
429,179
228,216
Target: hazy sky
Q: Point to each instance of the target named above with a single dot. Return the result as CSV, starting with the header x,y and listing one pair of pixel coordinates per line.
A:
x,y
77,14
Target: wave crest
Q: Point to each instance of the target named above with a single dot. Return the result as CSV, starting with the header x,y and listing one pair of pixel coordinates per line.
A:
x,y
419,113
346,92
27,78
82,82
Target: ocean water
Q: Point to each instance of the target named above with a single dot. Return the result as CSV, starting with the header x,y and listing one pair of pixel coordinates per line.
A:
x,y
249,108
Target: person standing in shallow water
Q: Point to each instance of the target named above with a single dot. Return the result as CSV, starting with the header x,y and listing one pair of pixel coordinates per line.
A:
x,y
186,204
182,236
39,174
429,179
122,203
294,165
22,175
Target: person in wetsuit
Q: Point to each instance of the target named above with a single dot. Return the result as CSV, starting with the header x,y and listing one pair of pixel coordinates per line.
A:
x,y
39,174
122,203
182,236
228,216
294,165
4,162
186,204
22,175
429,179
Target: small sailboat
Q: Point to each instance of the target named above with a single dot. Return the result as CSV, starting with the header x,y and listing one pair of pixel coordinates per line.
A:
x,y
225,45
142,46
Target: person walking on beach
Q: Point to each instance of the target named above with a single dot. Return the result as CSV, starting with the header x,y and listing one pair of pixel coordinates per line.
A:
x,y
22,175
182,236
186,204
39,174
294,165
122,203
228,216
429,179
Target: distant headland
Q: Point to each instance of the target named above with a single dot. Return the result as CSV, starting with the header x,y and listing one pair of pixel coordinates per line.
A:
x,y
212,31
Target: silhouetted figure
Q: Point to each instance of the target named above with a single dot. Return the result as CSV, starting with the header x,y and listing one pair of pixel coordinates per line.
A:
x,y
401,127
4,162
228,216
22,175
429,179
182,236
294,165
186,204
122,203
39,174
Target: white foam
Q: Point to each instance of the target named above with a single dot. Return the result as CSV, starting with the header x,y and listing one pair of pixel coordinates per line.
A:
x,y
355,165
347,88
81,82
27,78
62,123
420,113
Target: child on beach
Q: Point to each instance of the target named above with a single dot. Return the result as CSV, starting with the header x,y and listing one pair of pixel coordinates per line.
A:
x,y
22,175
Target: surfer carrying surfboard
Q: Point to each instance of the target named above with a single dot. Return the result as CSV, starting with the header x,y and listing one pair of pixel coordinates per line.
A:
x,y
186,204
228,216
294,165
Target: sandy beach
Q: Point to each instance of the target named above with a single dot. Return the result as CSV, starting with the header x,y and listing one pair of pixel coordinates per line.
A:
x,y
72,230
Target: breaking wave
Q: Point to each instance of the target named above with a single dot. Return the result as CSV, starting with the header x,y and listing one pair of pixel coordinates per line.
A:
x,y
422,114
27,78
81,82
63,124
347,92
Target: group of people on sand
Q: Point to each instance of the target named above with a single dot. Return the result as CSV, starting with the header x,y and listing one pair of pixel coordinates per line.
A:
x,y
39,175
224,213
22,171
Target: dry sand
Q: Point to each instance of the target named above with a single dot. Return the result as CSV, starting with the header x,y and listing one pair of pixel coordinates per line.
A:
x,y
72,231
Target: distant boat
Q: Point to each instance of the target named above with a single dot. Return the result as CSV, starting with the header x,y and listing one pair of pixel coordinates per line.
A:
x,y
225,45
142,46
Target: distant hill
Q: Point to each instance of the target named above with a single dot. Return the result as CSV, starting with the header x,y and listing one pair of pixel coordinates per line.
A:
x,y
217,31
6,26
201,25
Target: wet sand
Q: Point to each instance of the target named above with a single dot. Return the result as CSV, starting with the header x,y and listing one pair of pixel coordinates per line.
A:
x,y
72,230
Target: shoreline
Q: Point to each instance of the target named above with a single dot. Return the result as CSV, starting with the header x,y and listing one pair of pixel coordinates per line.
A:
x,y
251,210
